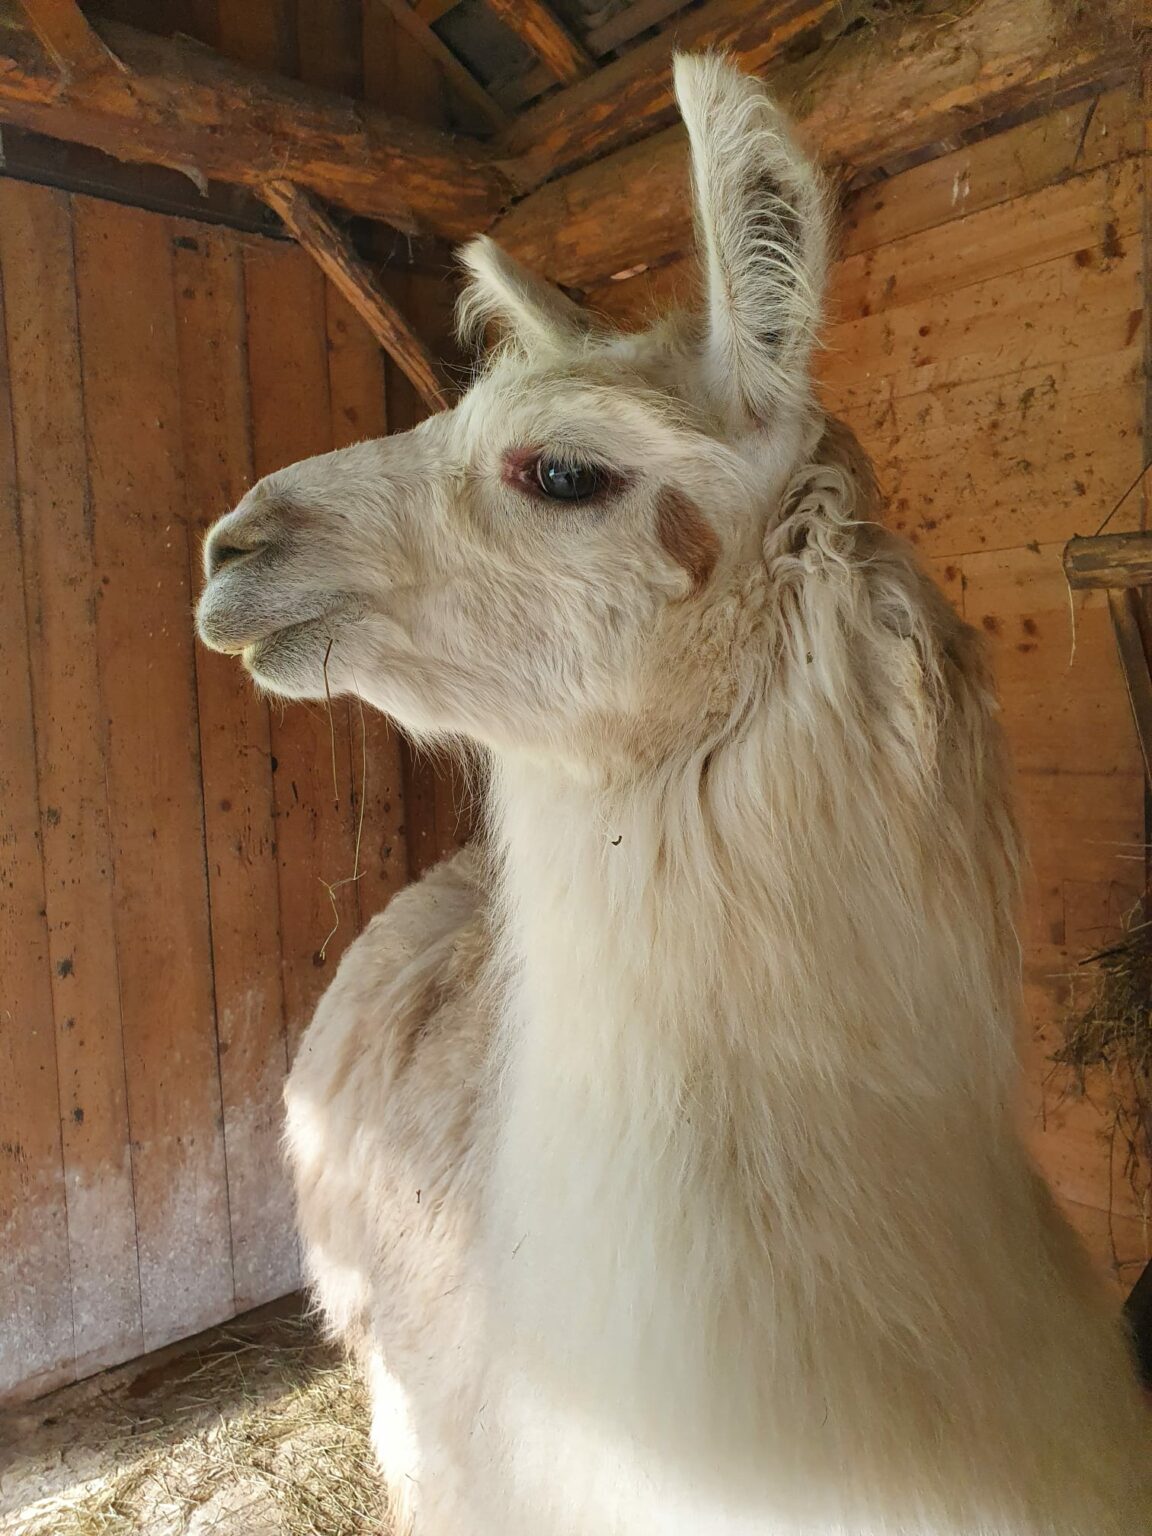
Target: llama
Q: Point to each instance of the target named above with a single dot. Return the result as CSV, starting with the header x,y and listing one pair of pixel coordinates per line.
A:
x,y
656,1158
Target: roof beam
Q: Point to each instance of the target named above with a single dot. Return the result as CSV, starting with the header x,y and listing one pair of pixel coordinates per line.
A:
x,y
552,43
871,104
633,96
620,28
180,105
315,231
1109,560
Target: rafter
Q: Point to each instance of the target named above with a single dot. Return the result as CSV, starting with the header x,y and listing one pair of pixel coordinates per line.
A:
x,y
633,95
540,28
916,90
307,221
599,40
71,40
182,106
461,78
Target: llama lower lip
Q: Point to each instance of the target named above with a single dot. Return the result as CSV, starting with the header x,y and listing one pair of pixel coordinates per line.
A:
x,y
288,638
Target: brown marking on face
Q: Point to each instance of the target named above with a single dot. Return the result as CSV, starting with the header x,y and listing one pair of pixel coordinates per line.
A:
x,y
688,536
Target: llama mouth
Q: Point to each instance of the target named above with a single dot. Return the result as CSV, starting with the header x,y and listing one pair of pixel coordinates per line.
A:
x,y
225,631
294,656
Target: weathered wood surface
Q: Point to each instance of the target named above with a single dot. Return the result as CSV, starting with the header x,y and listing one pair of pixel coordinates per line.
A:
x,y
236,778
144,644
75,46
913,89
101,724
1109,560
316,232
188,108
36,1341
537,25
1124,606
61,590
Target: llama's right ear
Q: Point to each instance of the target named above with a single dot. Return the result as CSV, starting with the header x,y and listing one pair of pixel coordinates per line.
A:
x,y
762,226
500,290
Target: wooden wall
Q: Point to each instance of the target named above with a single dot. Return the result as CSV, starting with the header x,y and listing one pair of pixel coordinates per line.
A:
x,y
988,343
166,841
164,838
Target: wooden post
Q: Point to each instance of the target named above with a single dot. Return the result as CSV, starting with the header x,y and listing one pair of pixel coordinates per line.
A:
x,y
315,231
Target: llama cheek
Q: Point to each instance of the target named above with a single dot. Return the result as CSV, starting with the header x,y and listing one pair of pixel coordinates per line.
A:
x,y
687,536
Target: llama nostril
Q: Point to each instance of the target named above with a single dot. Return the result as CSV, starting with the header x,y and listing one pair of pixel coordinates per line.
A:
x,y
221,553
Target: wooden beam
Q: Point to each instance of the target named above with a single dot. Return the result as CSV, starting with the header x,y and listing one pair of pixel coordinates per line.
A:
x,y
632,96
871,104
552,43
1109,560
183,106
65,32
1124,607
620,28
455,72
315,231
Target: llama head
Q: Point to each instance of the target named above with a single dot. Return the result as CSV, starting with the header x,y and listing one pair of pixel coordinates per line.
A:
x,y
553,563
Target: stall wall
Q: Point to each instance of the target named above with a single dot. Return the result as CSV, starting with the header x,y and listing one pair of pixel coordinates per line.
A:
x,y
988,342
176,860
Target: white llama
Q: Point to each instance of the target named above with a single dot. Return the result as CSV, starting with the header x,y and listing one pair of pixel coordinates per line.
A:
x,y
658,1162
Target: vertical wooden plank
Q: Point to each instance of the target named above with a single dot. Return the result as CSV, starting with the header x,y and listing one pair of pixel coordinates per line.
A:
x,y
315,828
236,765
356,388
261,33
144,637
48,421
36,1340
328,35
398,73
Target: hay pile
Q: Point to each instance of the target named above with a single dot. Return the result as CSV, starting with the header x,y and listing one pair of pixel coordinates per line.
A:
x,y
266,1438
1107,1047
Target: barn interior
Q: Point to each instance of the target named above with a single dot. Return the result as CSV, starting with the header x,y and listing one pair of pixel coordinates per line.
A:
x,y
226,235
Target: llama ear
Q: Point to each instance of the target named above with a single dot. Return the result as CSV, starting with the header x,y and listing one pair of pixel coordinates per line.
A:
x,y
762,225
499,289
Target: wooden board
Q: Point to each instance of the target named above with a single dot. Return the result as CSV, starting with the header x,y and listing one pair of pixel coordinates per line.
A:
x,y
236,766
144,643
36,1343
311,746
71,745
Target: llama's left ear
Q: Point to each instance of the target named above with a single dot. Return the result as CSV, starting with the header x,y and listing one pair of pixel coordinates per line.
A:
x,y
762,224
500,290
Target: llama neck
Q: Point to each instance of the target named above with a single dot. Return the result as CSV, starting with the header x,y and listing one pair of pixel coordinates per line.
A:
x,y
665,936
726,1039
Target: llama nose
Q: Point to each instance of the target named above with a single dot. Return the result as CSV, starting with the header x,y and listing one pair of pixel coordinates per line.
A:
x,y
228,546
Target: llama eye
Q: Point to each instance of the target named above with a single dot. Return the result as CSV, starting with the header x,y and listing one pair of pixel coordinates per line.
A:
x,y
567,482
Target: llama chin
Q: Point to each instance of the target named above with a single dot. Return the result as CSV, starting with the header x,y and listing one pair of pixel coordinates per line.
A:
x,y
657,1157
